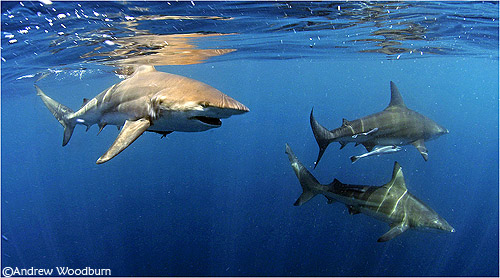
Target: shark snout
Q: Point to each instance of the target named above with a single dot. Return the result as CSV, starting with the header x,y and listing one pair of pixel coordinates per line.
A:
x,y
218,112
228,103
437,131
443,225
443,130
448,228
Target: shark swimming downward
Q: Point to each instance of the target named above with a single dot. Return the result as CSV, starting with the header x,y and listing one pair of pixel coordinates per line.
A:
x,y
391,202
149,100
396,125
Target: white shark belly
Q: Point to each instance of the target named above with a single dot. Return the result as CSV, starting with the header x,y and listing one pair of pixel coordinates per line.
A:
x,y
179,121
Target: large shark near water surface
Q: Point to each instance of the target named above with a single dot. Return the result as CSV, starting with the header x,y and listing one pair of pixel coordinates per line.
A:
x,y
148,100
391,202
396,125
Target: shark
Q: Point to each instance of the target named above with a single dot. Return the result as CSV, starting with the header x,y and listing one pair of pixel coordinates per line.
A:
x,y
149,100
391,202
396,125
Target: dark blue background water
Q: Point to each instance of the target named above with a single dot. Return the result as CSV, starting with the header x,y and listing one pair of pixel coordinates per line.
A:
x,y
220,202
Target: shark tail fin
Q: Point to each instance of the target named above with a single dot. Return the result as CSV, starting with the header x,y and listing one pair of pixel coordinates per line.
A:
x,y
323,137
308,182
60,112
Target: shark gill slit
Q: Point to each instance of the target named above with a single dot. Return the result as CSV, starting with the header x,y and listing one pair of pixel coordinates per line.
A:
x,y
352,129
397,202
385,196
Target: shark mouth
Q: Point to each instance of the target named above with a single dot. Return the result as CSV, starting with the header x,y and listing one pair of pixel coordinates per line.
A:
x,y
208,120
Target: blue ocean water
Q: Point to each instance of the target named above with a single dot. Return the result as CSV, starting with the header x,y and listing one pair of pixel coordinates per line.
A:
x,y
220,202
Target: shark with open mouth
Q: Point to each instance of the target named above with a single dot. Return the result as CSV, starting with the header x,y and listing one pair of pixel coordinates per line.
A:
x,y
149,100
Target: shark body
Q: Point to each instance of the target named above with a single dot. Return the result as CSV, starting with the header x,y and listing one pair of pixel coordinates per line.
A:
x,y
391,202
149,100
396,125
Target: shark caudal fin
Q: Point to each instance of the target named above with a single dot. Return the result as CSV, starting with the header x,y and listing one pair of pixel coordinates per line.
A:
x,y
61,113
310,185
323,136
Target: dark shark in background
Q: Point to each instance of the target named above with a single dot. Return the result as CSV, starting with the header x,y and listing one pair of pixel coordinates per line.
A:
x,y
391,202
396,125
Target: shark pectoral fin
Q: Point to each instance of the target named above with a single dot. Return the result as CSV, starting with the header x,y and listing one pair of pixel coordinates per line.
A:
x,y
395,231
304,197
419,144
130,132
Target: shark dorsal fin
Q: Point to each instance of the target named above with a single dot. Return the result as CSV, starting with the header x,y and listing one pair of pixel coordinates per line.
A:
x,y
396,99
144,68
398,180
